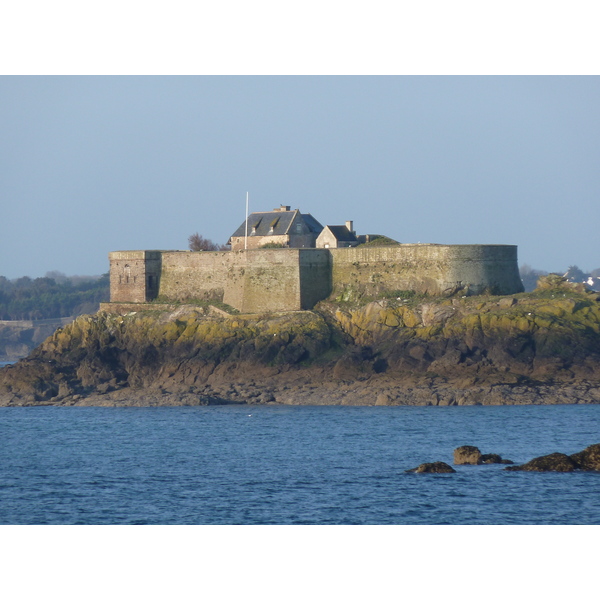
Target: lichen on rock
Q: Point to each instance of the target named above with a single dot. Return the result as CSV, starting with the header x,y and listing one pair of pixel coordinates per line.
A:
x,y
528,349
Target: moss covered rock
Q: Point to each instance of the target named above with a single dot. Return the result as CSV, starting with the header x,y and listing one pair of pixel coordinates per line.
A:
x,y
462,350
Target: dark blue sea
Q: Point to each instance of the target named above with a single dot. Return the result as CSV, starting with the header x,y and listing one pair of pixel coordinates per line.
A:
x,y
290,465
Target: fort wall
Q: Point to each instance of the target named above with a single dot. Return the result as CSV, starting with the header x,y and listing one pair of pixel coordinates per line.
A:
x,y
199,275
134,275
315,277
481,268
270,280
255,281
425,268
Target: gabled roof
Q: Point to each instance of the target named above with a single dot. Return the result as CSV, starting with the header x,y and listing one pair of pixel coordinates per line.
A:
x,y
342,234
275,223
312,223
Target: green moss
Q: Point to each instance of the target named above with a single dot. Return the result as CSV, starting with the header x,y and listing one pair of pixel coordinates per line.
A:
x,y
273,245
380,240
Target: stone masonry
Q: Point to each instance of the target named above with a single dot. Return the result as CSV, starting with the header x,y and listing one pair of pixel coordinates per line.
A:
x,y
281,279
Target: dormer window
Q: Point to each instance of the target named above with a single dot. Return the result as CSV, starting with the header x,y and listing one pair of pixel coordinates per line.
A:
x,y
273,225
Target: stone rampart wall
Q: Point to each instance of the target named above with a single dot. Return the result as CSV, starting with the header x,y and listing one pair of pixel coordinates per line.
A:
x,y
271,280
199,275
425,268
257,281
134,275
315,277
481,268
374,270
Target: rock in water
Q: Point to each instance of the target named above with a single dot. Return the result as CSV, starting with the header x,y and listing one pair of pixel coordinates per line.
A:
x,y
551,462
588,459
434,467
494,459
467,455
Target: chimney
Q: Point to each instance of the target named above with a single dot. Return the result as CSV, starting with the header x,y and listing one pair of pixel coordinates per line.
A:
x,y
282,208
349,225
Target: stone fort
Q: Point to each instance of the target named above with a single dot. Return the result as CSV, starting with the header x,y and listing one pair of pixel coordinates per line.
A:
x,y
283,260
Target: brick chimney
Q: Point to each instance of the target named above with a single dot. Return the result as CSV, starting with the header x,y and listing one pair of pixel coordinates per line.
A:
x,y
349,226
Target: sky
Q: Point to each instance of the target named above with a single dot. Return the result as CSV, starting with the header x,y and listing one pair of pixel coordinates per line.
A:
x,y
92,164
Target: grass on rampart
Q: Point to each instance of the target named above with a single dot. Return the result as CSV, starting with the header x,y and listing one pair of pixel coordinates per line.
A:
x,y
206,304
381,240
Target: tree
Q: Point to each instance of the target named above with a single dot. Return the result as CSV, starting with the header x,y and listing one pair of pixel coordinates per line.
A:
x,y
43,298
198,243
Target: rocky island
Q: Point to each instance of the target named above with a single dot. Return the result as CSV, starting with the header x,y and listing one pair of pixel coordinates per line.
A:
x,y
541,347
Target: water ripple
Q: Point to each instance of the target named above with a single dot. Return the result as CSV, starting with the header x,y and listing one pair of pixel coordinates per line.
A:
x,y
290,465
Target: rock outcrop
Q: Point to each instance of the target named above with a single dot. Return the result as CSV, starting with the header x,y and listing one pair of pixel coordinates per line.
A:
x,y
536,348
471,455
434,467
494,459
467,455
551,462
586,460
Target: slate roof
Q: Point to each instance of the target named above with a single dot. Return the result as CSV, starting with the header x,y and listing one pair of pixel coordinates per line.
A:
x,y
279,221
312,223
342,233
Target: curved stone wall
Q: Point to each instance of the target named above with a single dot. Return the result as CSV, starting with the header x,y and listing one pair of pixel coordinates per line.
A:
x,y
425,268
481,268
295,279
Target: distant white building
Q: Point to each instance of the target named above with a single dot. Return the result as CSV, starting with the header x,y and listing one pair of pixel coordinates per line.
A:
x,y
576,275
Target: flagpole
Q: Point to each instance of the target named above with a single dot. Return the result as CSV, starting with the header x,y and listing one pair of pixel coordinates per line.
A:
x,y
246,238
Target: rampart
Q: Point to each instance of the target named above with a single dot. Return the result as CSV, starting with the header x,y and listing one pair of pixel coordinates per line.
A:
x,y
426,268
253,281
269,280
135,274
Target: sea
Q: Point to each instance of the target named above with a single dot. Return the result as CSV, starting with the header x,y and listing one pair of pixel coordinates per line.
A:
x,y
291,465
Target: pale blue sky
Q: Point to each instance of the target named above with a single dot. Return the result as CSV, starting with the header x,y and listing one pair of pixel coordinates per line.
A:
x,y
94,164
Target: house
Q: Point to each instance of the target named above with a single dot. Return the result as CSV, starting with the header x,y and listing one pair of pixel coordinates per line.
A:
x,y
281,227
337,236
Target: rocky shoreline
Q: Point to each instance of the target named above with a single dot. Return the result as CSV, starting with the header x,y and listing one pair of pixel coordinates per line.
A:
x,y
536,348
314,393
